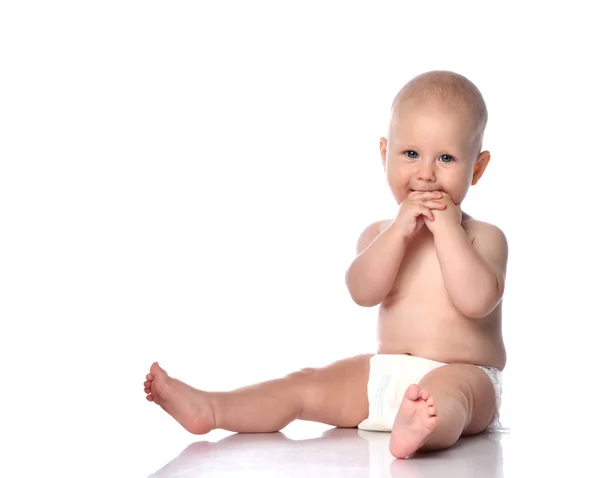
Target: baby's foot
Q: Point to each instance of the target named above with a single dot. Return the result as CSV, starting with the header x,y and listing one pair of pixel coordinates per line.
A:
x,y
415,420
192,408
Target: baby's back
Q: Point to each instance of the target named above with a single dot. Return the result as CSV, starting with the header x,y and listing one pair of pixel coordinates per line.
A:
x,y
418,318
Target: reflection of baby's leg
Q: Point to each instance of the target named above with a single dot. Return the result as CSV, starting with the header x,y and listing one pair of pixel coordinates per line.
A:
x,y
335,395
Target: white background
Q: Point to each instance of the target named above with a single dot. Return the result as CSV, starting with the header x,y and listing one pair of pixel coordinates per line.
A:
x,y
185,182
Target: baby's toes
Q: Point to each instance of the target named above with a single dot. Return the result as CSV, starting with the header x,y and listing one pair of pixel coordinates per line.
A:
x,y
425,395
150,398
147,384
150,377
432,410
412,392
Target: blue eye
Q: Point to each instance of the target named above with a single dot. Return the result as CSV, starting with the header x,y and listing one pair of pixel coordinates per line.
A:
x,y
412,154
446,158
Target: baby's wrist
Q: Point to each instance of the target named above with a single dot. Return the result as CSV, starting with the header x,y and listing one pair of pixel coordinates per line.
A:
x,y
450,231
398,231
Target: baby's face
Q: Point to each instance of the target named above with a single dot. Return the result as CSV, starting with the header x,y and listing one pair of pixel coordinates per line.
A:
x,y
430,147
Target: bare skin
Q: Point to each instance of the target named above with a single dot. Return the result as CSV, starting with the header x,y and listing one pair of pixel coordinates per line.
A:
x,y
190,407
416,419
423,309
329,395
419,296
268,406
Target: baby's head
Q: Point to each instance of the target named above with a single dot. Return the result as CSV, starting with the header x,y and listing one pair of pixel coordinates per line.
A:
x,y
435,136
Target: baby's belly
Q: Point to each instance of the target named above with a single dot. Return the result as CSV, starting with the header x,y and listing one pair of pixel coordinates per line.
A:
x,y
440,335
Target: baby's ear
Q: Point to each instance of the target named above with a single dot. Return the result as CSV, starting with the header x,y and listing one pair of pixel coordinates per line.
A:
x,y
383,150
480,164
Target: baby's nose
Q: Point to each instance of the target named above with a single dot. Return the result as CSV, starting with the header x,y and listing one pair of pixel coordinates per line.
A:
x,y
426,172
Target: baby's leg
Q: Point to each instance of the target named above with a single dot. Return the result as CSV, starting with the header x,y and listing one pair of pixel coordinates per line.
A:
x,y
335,395
450,401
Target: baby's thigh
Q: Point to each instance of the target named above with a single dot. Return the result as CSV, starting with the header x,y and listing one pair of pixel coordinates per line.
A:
x,y
335,394
468,384
475,386
483,400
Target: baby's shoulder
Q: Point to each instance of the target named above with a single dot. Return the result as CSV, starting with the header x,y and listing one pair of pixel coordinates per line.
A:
x,y
370,233
383,224
478,230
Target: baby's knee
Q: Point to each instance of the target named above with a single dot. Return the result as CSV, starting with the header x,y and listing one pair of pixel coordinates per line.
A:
x,y
304,375
305,381
310,385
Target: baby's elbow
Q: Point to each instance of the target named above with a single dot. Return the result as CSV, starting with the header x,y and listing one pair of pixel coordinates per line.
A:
x,y
483,302
368,303
474,313
482,308
364,301
358,294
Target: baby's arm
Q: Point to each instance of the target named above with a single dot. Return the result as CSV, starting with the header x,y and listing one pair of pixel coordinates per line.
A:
x,y
473,270
380,250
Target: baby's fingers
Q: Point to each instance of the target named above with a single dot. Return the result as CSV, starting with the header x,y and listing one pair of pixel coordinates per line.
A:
x,y
434,204
425,195
425,211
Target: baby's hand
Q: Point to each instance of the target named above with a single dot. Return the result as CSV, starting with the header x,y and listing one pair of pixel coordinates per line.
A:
x,y
417,206
450,216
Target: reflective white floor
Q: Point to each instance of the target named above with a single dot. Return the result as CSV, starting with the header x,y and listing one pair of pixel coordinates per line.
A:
x,y
336,452
354,453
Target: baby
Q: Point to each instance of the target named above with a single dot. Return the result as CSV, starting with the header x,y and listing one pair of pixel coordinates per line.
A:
x,y
437,275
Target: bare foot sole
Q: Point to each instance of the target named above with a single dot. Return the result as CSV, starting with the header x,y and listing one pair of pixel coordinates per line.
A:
x,y
191,407
415,420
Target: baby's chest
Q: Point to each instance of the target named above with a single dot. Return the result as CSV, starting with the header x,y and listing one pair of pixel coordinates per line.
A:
x,y
420,270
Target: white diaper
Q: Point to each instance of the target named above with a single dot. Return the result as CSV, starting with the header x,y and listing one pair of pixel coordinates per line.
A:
x,y
391,375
